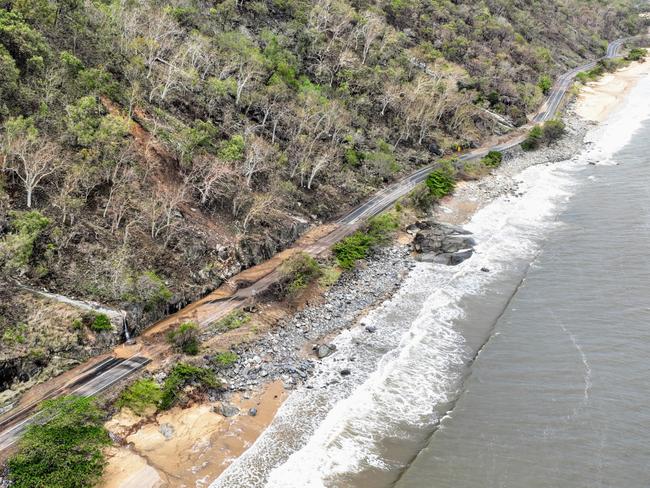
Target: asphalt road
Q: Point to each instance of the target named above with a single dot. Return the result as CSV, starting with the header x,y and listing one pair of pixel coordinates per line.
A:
x,y
108,372
92,382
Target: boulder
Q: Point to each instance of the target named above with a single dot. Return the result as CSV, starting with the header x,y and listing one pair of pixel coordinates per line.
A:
x,y
446,244
167,430
453,258
228,410
324,350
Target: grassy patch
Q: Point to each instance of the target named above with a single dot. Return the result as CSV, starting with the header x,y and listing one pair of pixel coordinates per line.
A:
x,y
492,159
440,183
234,320
225,359
358,245
181,375
141,396
101,323
65,451
297,272
636,54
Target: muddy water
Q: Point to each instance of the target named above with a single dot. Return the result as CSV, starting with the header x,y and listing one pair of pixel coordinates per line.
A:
x,y
531,374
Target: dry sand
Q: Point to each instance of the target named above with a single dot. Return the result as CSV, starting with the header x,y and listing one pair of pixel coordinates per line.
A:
x,y
597,99
199,444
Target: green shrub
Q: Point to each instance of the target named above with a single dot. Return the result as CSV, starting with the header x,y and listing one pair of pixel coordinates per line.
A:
x,y
232,149
140,396
101,323
553,130
225,359
352,248
440,183
17,248
357,246
382,226
234,320
353,158
298,271
181,375
185,338
636,54
545,84
493,159
533,140
66,450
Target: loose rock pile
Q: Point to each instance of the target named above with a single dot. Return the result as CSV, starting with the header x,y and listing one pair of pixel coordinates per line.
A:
x,y
281,354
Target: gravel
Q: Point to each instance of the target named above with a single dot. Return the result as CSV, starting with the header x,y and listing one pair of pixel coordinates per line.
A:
x,y
282,353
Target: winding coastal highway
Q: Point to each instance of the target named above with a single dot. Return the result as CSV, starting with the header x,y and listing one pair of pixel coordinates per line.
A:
x,y
100,376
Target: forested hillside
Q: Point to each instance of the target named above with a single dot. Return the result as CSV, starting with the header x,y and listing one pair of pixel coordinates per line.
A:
x,y
152,149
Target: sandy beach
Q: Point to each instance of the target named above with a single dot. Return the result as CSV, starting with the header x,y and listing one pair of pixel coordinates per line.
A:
x,y
597,99
190,447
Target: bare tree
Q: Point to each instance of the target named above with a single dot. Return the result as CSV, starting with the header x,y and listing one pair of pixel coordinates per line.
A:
x,y
261,205
161,209
210,176
321,162
258,155
368,31
27,157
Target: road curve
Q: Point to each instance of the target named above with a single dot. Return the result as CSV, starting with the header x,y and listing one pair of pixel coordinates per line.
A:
x,y
108,372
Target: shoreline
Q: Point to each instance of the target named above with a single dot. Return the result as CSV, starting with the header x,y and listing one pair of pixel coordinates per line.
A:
x,y
271,358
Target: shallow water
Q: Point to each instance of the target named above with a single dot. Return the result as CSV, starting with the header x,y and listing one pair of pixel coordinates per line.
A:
x,y
529,375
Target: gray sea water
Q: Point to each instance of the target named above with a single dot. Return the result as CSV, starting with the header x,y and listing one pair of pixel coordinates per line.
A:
x,y
560,395
534,374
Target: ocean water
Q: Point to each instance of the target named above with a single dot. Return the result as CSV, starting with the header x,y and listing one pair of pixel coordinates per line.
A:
x,y
536,373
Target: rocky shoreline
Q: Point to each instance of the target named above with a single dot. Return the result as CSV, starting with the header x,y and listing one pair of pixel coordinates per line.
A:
x,y
289,351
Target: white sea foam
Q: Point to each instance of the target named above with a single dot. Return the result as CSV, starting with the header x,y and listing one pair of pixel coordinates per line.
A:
x,y
414,363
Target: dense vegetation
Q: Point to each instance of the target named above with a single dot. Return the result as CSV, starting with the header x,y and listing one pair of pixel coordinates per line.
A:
x,y
150,150
66,450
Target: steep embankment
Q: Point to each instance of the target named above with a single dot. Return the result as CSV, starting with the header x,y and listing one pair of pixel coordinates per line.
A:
x,y
163,148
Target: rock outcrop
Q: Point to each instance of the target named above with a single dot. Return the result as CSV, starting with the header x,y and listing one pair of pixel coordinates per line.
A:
x,y
442,243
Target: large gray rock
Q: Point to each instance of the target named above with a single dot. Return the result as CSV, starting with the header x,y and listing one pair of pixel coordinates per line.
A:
x,y
446,244
228,410
167,430
324,350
